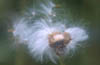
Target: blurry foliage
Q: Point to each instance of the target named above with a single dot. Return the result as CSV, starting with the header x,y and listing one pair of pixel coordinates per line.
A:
x,y
89,10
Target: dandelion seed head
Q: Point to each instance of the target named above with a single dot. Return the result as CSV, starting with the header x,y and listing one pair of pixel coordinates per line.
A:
x,y
47,40
38,42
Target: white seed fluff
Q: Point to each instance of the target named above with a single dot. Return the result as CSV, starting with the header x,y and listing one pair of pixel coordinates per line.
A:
x,y
37,33
37,38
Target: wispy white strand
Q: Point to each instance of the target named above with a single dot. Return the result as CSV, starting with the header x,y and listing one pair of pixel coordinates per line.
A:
x,y
77,35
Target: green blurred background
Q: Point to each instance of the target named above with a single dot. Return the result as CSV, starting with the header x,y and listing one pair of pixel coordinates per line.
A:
x,y
88,10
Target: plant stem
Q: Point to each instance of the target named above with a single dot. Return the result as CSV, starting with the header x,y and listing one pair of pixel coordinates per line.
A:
x,y
61,61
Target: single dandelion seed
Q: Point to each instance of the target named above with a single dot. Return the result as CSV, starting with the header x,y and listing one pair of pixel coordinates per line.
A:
x,y
58,41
